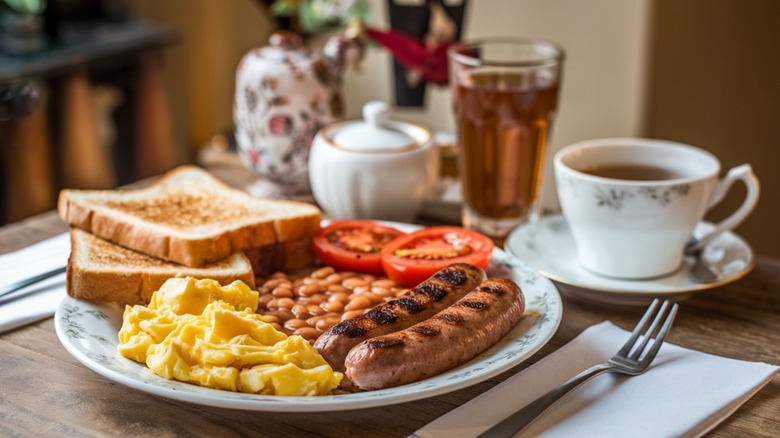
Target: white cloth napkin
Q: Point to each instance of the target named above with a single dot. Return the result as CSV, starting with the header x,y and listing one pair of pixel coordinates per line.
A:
x,y
684,393
39,300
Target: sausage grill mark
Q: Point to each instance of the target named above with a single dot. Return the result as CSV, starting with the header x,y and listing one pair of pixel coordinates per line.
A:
x,y
493,290
476,305
455,277
425,330
381,343
409,304
435,291
349,328
382,315
452,319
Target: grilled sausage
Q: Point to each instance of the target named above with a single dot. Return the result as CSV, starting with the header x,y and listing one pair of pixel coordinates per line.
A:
x,y
431,296
448,339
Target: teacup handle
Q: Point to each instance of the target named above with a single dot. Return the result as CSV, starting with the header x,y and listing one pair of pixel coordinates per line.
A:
x,y
740,173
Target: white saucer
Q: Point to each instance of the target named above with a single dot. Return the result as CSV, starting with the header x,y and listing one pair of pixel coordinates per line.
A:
x,y
549,247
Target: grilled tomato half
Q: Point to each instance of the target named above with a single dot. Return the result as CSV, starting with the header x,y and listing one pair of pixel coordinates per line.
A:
x,y
412,258
354,245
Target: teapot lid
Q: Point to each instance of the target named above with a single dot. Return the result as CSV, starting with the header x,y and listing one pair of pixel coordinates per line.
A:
x,y
374,132
285,44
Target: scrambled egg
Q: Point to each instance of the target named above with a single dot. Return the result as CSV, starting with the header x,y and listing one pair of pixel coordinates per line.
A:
x,y
200,332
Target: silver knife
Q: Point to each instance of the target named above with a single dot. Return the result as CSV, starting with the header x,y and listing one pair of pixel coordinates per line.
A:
x,y
13,287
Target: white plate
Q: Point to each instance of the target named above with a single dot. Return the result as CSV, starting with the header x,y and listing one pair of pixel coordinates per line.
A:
x,y
548,246
88,330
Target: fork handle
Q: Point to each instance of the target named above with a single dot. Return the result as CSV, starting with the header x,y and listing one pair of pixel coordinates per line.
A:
x,y
525,416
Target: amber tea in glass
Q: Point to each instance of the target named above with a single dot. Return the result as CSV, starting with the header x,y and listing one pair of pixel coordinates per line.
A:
x,y
505,95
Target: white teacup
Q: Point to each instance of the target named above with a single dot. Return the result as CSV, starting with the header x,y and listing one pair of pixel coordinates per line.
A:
x,y
633,203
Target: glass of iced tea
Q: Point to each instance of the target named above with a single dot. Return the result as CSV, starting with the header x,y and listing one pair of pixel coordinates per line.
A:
x,y
505,97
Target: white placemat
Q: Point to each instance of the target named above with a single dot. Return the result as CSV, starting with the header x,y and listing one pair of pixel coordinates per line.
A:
x,y
39,300
685,393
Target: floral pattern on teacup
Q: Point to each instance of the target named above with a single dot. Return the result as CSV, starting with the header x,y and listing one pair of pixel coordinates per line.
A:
x,y
615,198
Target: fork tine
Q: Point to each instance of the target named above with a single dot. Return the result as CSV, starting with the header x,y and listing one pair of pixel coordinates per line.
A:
x,y
649,333
638,329
659,340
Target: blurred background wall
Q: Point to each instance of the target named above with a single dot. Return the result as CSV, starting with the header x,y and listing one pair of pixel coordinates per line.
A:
x,y
714,83
702,72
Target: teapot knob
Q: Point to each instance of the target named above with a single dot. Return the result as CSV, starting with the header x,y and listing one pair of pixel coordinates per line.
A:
x,y
285,40
376,113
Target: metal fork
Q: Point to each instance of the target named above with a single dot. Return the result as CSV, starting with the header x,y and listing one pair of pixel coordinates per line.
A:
x,y
628,360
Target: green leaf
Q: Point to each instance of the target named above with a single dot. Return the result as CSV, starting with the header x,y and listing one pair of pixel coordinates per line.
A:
x,y
284,9
27,6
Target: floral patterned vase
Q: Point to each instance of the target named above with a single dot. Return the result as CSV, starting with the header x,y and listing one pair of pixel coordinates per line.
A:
x,y
285,93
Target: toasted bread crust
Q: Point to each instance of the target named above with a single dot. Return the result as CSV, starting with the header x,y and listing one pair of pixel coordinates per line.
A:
x,y
264,222
99,270
281,257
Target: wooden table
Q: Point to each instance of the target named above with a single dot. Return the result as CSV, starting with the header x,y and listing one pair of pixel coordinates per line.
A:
x,y
46,392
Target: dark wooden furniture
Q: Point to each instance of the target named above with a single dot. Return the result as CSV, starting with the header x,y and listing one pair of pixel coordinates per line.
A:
x,y
61,144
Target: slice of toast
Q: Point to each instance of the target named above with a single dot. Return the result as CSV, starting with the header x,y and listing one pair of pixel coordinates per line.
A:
x,y
188,217
99,270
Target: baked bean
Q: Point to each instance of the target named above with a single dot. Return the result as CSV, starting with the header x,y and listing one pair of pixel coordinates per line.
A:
x,y
333,306
300,311
311,280
278,275
323,272
353,282
326,323
342,297
358,302
309,289
317,299
315,310
275,282
360,290
262,301
308,333
314,320
282,315
373,297
368,278
384,282
381,291
285,303
337,288
351,314
282,292
295,324
334,278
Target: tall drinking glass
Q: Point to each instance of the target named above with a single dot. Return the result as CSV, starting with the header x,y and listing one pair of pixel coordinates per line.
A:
x,y
505,96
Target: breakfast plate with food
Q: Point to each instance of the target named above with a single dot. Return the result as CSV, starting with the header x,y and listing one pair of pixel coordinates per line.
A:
x,y
279,313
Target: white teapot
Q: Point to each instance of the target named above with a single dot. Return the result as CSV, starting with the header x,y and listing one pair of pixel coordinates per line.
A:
x,y
373,169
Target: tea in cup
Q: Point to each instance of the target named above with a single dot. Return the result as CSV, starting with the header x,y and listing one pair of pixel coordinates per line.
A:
x,y
632,204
